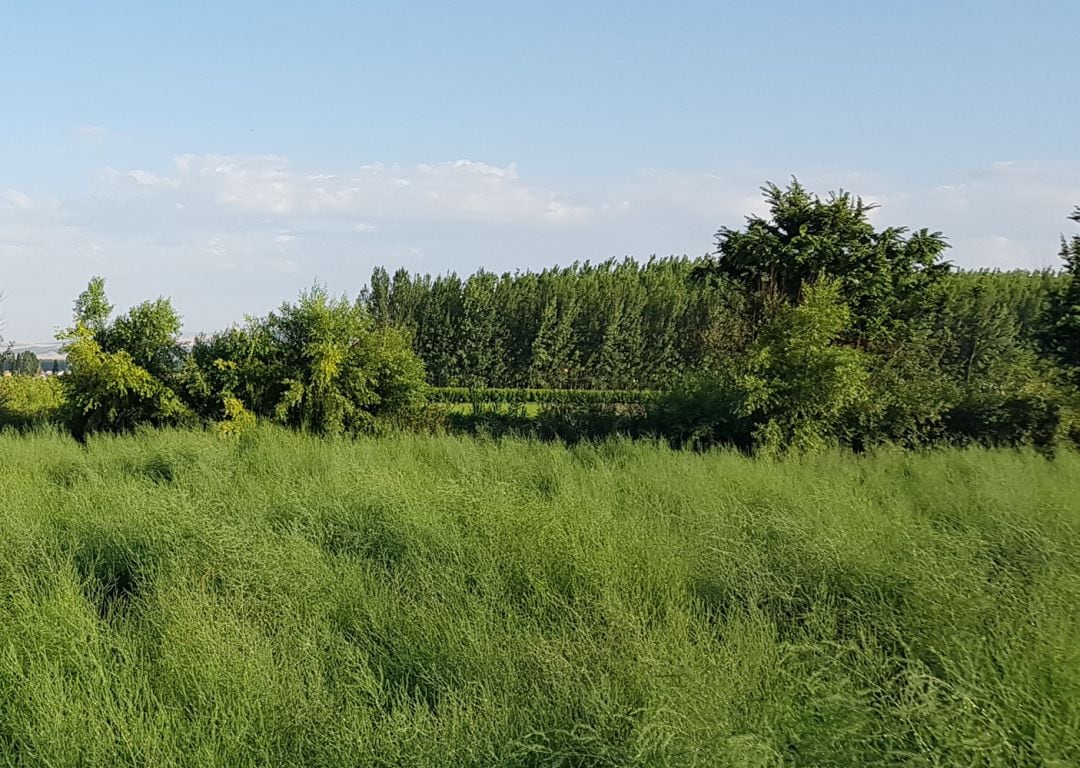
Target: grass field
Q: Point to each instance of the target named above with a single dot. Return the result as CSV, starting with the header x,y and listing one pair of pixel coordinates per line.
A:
x,y
175,599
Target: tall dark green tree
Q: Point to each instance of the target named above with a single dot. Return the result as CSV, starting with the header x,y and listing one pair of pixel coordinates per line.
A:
x,y
883,276
613,324
377,297
1062,336
27,363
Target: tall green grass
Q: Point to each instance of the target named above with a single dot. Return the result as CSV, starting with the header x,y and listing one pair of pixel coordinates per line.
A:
x,y
175,599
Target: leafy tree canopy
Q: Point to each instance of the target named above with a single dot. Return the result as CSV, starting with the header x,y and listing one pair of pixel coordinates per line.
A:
x,y
881,275
321,364
92,308
27,363
149,332
121,374
1062,336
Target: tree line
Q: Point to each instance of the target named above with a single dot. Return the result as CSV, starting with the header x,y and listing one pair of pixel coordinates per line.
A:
x,y
628,325
806,326
803,326
26,363
613,325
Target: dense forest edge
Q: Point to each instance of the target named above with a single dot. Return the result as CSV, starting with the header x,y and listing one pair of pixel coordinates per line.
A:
x,y
805,328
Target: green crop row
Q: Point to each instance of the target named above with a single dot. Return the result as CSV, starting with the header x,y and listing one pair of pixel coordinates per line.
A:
x,y
544,396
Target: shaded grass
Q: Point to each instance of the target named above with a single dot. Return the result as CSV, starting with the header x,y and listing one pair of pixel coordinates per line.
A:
x,y
175,599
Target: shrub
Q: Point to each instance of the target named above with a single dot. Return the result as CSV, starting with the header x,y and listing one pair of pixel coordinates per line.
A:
x,y
794,387
1037,414
27,402
318,365
110,392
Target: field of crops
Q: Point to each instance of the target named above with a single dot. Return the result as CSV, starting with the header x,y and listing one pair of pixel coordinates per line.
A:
x,y
173,598
582,397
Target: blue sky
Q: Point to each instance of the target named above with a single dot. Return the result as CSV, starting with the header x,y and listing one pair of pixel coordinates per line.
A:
x,y
227,154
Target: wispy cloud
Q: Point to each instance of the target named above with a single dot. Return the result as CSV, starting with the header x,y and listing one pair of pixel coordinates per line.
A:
x,y
269,185
90,132
227,235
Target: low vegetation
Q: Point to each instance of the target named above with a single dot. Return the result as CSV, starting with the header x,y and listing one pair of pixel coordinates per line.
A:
x,y
171,598
543,396
27,402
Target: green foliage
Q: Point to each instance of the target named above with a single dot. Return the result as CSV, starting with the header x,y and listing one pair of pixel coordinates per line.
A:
x,y
26,364
92,308
724,338
808,327
237,420
122,375
320,365
234,363
174,599
26,402
614,325
1062,335
910,395
149,333
1020,412
705,409
793,387
108,391
335,371
798,382
547,396
882,276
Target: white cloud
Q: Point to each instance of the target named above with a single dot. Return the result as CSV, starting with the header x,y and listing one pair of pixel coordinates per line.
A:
x,y
137,178
92,131
1007,216
269,185
14,200
229,235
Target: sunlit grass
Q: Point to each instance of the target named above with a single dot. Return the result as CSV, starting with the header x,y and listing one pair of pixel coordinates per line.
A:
x,y
177,599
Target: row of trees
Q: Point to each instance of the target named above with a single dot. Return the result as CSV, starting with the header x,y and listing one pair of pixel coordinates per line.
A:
x,y
805,326
26,363
616,325
625,325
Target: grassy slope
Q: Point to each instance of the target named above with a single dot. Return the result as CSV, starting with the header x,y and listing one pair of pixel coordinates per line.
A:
x,y
173,599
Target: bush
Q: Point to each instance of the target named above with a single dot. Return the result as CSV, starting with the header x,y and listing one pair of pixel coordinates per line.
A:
x,y
27,402
1037,414
705,409
795,387
109,392
318,365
